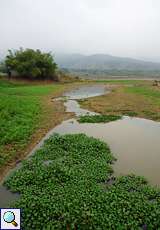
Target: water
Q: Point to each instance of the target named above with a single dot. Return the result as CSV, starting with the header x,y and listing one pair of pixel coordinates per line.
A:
x,y
134,142
74,107
86,92
6,197
80,93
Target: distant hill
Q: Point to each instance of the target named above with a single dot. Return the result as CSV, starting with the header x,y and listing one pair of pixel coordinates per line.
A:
x,y
104,62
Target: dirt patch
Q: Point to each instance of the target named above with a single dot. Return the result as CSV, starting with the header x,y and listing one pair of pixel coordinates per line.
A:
x,y
119,102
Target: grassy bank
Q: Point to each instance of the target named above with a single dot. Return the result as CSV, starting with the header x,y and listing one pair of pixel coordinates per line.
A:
x,y
131,98
26,114
68,184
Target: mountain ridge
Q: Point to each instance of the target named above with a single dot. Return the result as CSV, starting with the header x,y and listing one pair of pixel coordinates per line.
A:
x,y
103,62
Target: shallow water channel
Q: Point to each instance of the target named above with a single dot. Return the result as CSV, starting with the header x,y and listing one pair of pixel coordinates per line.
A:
x,y
135,142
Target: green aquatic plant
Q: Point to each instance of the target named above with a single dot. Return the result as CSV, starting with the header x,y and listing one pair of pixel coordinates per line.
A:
x,y
72,191
98,118
129,113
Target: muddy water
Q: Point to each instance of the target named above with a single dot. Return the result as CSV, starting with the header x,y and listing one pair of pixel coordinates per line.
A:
x,y
6,196
73,106
86,92
134,142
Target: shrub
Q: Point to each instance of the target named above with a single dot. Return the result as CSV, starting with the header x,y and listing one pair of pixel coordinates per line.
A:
x,y
31,63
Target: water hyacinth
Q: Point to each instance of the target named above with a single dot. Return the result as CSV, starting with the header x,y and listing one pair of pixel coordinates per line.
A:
x,y
71,191
98,118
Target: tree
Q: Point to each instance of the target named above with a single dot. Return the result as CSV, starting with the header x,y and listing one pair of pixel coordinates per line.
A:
x,y
31,64
3,67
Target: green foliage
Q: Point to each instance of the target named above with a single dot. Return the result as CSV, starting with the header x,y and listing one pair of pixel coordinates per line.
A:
x,y
129,113
32,90
20,114
65,186
2,67
98,118
144,90
18,117
4,84
151,94
31,63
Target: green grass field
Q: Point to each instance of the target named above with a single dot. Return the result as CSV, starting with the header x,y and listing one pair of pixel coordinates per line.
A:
x,y
21,112
144,90
150,94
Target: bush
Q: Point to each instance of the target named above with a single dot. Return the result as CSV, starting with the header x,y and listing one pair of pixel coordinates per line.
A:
x,y
30,63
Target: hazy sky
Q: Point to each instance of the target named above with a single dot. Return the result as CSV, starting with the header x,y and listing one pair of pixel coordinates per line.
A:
x,y
117,27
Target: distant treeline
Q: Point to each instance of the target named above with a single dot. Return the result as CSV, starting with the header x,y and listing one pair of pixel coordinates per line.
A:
x,y
113,72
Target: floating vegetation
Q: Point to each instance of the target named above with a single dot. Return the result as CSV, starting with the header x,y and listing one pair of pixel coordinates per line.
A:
x,y
67,194
130,113
98,118
110,181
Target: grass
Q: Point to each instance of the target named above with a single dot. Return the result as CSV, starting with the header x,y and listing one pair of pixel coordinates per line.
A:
x,y
153,95
138,99
146,91
38,90
65,185
24,109
18,119
9,88
98,118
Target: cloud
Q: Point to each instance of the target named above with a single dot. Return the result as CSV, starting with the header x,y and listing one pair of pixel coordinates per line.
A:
x,y
118,27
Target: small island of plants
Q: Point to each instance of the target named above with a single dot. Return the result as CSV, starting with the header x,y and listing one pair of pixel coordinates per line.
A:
x,y
98,118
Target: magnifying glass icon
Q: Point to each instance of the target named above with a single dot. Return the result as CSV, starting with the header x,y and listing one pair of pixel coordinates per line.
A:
x,y
9,218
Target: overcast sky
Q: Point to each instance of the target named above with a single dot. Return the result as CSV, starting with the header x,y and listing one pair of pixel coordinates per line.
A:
x,y
118,27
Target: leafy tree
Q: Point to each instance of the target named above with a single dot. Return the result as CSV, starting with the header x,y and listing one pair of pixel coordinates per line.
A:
x,y
2,67
31,63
